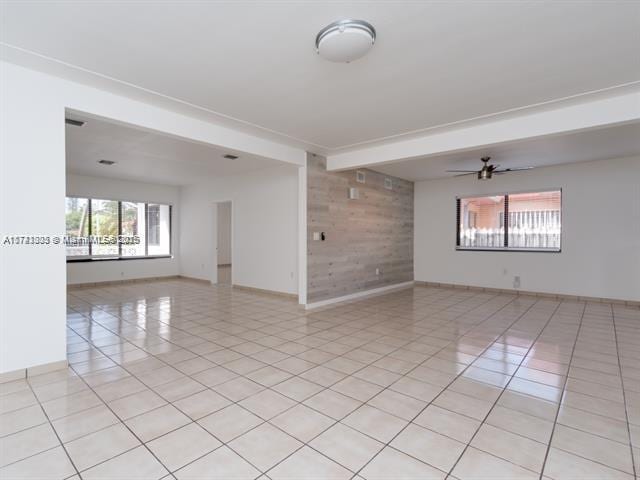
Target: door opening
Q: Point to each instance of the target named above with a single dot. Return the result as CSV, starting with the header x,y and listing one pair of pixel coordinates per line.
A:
x,y
223,249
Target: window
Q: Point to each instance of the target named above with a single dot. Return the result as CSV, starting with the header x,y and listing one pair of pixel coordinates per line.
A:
x,y
481,228
159,220
104,227
77,219
133,225
153,217
518,221
99,229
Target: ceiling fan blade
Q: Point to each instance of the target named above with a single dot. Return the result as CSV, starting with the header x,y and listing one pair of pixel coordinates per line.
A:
x,y
494,167
515,169
465,171
465,174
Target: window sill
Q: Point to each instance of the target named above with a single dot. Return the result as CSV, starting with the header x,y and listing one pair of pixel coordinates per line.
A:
x,y
508,249
116,259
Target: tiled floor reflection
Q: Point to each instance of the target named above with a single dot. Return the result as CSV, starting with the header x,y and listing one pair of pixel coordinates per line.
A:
x,y
177,379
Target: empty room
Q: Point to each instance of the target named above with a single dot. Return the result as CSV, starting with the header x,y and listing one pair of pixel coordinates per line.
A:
x,y
320,240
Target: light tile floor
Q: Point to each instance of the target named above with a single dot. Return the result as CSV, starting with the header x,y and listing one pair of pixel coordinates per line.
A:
x,y
177,379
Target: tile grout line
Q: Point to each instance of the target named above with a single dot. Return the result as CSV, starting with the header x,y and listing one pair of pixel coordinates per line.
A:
x,y
591,433
299,403
634,467
121,422
483,421
479,294
388,444
52,428
384,389
151,388
329,324
555,420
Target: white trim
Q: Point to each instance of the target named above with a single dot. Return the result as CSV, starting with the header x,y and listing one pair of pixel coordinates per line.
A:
x,y
365,293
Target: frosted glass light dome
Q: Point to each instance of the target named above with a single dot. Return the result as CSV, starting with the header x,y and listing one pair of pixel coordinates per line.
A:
x,y
345,40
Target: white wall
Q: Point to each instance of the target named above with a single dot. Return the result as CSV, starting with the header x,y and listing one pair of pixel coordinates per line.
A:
x,y
32,191
265,228
32,278
224,233
112,189
600,232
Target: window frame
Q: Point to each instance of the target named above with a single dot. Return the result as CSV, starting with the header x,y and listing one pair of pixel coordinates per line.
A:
x,y
505,220
156,224
109,258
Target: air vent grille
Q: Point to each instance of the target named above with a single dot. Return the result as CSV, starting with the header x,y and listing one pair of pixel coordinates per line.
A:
x,y
75,123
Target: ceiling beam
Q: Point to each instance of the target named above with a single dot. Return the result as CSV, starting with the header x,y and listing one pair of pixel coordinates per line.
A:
x,y
571,117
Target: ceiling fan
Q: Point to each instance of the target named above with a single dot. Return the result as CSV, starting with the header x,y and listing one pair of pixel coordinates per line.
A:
x,y
487,171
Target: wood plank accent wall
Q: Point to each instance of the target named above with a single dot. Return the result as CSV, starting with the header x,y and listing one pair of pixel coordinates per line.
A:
x,y
374,231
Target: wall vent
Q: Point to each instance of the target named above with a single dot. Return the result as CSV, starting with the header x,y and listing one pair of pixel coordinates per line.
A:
x,y
360,176
75,123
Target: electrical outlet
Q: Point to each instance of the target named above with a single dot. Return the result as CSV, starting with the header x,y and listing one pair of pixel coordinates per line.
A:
x,y
377,271
516,281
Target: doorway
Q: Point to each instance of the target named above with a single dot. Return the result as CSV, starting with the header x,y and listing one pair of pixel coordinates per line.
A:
x,y
223,247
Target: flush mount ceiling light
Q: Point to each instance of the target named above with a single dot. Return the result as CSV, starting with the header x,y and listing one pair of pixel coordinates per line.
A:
x,y
345,40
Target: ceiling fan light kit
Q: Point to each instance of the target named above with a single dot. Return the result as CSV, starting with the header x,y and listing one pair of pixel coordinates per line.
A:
x,y
486,172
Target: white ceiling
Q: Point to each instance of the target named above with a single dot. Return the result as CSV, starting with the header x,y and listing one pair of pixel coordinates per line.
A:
x,y
148,156
584,146
433,63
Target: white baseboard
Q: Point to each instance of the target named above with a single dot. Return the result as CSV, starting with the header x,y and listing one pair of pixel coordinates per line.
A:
x,y
23,373
355,296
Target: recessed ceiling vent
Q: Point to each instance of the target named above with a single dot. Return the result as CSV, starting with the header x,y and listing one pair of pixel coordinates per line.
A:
x,y
75,123
106,162
230,156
